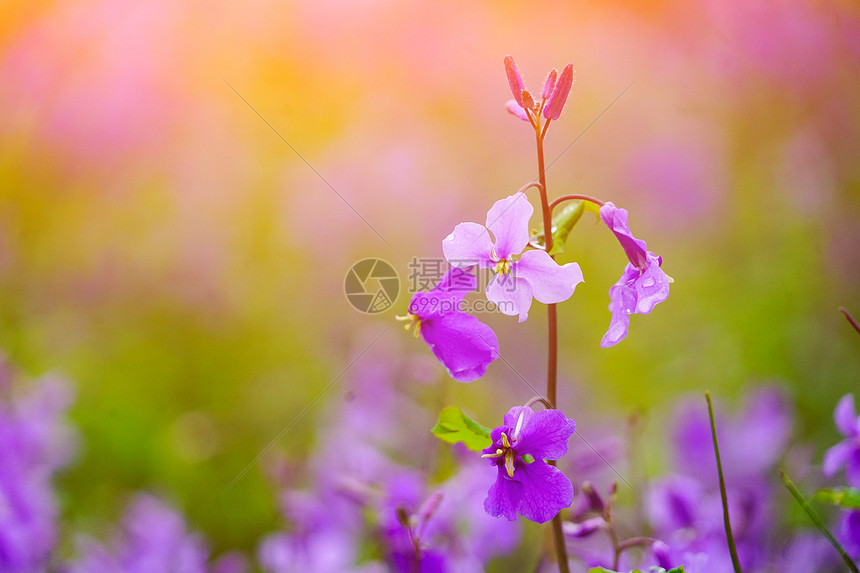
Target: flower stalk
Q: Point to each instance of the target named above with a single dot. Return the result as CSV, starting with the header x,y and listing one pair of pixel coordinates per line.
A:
x,y
552,328
731,539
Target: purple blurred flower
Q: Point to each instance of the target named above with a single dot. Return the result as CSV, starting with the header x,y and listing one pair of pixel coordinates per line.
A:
x,y
642,285
534,274
845,454
685,508
461,342
849,533
535,490
34,444
153,539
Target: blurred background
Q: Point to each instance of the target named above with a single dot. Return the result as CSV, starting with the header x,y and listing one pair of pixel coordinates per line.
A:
x,y
166,251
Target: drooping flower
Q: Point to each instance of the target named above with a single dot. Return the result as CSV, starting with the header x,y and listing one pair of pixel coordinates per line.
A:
x,y
845,454
642,285
461,342
518,277
534,489
553,96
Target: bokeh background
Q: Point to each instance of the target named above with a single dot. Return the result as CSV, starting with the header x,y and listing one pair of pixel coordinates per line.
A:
x,y
166,251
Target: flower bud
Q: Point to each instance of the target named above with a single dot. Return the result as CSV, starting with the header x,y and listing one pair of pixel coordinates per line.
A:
x,y
555,103
549,85
595,501
582,529
514,79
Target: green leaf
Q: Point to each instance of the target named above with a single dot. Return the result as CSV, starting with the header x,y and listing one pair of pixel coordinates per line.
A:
x,y
563,222
847,497
454,426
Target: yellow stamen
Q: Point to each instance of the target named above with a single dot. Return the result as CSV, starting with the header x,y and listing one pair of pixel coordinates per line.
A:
x,y
509,462
415,321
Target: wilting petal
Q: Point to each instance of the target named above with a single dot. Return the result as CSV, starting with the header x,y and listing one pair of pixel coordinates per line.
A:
x,y
553,107
845,417
504,496
546,491
616,220
544,435
468,245
516,109
550,283
652,286
462,343
513,296
508,219
515,80
836,457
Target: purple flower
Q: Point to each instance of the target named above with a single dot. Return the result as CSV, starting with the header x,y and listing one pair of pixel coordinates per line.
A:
x,y
518,277
535,489
154,538
643,283
849,533
845,454
461,342
34,444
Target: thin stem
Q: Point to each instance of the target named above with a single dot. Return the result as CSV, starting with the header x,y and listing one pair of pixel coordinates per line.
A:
x,y
731,539
564,198
537,399
850,318
552,335
815,519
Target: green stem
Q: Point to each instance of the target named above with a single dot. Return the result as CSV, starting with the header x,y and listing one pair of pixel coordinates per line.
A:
x,y
731,539
815,519
552,336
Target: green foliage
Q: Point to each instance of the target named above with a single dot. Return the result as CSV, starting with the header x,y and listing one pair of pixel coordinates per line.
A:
x,y
847,497
454,426
562,224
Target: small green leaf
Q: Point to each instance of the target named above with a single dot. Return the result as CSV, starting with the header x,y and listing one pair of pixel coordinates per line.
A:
x,y
847,497
454,426
528,458
563,222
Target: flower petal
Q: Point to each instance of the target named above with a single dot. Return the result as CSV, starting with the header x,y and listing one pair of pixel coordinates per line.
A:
x,y
652,286
622,301
513,296
546,491
836,457
462,343
516,109
512,418
504,496
446,296
845,417
544,435
616,220
469,244
550,283
508,219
